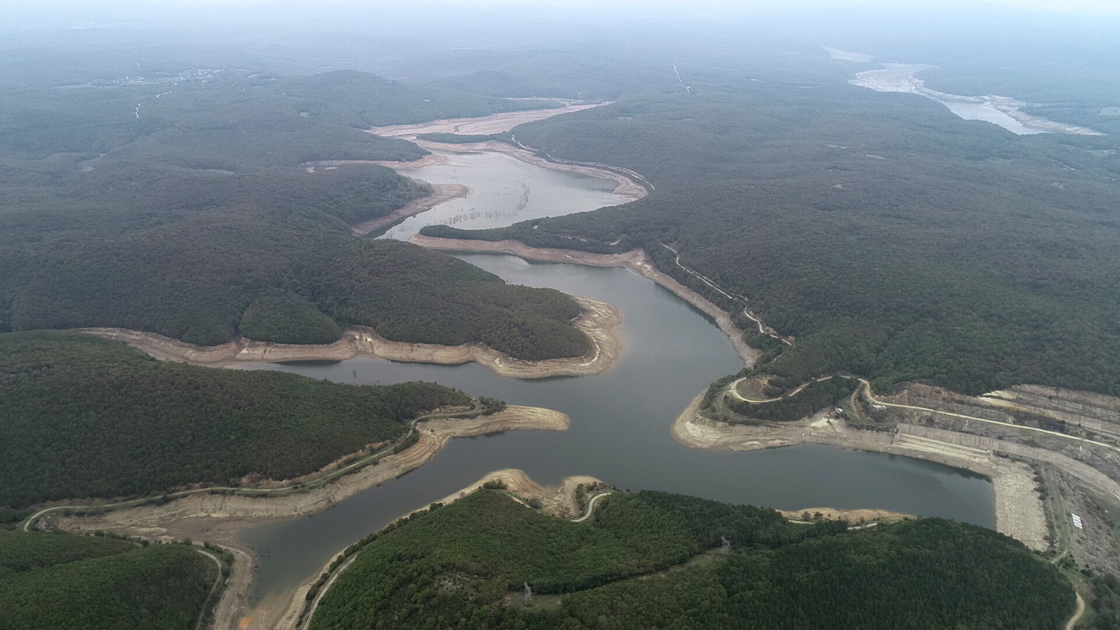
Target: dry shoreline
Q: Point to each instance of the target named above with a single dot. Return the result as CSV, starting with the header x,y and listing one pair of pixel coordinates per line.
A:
x,y
441,193
218,518
484,125
634,260
623,186
902,77
598,320
559,502
1018,507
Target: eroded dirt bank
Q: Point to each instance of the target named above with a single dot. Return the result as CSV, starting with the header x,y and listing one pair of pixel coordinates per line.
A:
x,y
442,193
634,260
1018,506
599,321
219,518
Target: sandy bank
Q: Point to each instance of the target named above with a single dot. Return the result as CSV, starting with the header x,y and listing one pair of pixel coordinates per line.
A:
x,y
218,518
484,125
624,185
634,260
599,321
1018,507
854,517
441,193
627,184
434,435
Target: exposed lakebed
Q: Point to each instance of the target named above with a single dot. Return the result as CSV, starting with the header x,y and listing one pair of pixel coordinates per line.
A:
x,y
1004,111
620,420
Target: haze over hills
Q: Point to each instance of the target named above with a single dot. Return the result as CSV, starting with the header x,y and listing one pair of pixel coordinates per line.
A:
x,y
926,269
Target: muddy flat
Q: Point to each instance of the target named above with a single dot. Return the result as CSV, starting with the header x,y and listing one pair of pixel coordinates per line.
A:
x,y
495,123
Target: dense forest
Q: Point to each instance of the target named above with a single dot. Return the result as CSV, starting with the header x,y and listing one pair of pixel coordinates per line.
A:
x,y
653,560
59,581
287,317
890,238
190,220
86,417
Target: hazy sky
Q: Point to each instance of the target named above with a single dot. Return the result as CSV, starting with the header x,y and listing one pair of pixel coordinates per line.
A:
x,y
395,15
1065,6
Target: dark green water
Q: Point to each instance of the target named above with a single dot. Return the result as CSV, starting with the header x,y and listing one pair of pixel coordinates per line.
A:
x,y
620,433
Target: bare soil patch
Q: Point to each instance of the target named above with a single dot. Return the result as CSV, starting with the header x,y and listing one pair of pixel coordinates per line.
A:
x,y
624,186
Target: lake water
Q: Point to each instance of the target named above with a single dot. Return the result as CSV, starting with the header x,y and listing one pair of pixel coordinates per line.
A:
x,y
621,420
504,190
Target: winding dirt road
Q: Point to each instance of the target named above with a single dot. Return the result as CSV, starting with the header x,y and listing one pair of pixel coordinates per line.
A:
x,y
591,506
866,386
1077,614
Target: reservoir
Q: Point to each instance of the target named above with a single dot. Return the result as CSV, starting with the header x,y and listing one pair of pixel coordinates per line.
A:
x,y
504,191
621,420
999,110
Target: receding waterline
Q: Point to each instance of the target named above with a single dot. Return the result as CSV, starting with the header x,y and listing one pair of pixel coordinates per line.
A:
x,y
620,420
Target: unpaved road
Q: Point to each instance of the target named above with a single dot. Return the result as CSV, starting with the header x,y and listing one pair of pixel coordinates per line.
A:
x,y
876,401
733,389
213,589
762,328
1078,613
591,506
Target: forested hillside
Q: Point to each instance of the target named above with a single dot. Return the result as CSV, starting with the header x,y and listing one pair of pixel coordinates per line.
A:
x,y
652,560
889,237
85,417
59,581
182,217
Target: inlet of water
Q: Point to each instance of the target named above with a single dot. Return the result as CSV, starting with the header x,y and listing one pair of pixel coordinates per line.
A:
x,y
620,420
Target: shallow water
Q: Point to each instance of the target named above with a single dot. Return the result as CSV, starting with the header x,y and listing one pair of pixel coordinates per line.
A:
x,y
504,190
621,420
900,78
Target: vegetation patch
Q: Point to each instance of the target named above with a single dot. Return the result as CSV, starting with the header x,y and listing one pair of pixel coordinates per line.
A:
x,y
464,565
61,581
87,417
286,317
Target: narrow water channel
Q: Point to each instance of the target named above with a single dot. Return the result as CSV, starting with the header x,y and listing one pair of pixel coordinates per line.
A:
x,y
620,425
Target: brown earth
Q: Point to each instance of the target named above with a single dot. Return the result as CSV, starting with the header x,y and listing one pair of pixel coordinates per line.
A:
x,y
855,517
634,260
599,321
